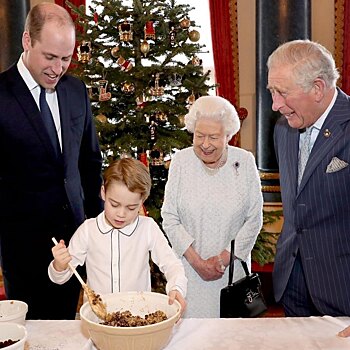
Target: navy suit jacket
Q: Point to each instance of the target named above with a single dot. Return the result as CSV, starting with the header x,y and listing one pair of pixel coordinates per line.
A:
x,y
33,182
317,216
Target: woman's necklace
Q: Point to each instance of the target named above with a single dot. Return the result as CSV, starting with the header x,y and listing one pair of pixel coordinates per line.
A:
x,y
221,163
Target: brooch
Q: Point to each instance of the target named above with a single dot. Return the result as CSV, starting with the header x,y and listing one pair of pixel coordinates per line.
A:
x,y
236,166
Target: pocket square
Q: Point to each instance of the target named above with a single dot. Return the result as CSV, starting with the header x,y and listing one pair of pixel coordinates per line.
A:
x,y
336,164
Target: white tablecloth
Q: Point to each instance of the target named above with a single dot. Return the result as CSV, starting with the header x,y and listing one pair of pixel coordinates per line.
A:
x,y
204,334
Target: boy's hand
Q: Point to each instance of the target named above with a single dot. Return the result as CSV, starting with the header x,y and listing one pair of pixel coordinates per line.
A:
x,y
174,294
61,256
345,332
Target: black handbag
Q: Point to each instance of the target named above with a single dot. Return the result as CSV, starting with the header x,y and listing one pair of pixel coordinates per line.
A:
x,y
242,298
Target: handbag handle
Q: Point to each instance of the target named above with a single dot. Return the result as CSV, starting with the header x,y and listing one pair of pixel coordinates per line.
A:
x,y
232,262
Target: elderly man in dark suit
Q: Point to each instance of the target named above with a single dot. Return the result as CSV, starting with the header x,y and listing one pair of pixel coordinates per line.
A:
x,y
312,265
49,182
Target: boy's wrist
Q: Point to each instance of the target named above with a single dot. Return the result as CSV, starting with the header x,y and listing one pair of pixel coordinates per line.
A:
x,y
178,289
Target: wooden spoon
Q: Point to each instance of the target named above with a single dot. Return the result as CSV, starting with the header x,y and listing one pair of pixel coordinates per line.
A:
x,y
95,301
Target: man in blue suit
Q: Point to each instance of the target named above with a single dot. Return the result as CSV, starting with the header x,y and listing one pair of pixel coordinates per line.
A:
x,y
44,191
312,265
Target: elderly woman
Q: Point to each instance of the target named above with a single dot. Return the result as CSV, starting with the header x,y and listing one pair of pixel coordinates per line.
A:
x,y
212,195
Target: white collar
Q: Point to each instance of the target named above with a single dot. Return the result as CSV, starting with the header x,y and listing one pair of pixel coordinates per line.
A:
x,y
104,227
25,74
319,122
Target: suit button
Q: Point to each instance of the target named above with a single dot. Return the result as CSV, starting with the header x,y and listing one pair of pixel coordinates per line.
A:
x,y
65,207
294,254
65,181
299,231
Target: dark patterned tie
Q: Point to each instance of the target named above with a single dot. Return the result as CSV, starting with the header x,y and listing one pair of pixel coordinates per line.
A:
x,y
304,153
48,120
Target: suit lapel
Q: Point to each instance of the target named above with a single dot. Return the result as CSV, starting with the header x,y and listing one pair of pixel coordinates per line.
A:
x,y
25,99
30,109
288,152
332,131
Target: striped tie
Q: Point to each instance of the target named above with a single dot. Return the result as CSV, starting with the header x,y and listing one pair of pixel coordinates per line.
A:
x,y
304,152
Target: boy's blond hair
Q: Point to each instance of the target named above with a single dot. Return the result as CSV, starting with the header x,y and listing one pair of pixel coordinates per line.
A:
x,y
133,173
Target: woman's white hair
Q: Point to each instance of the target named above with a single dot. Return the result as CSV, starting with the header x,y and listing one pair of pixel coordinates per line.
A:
x,y
215,108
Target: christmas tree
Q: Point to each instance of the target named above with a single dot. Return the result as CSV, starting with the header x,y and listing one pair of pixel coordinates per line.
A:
x,y
140,62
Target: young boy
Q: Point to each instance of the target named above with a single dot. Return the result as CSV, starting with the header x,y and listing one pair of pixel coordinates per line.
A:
x,y
115,245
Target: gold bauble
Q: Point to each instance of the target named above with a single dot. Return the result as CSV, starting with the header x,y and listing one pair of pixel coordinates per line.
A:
x,y
185,23
144,47
115,51
194,35
161,116
128,87
101,118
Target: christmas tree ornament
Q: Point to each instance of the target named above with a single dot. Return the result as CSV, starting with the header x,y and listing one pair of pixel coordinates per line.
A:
x,y
156,157
143,158
194,35
153,131
175,79
196,61
89,89
149,30
144,47
140,101
101,118
181,120
128,87
102,89
161,117
84,51
125,154
172,34
185,23
92,90
115,51
190,100
125,31
157,90
125,65
96,17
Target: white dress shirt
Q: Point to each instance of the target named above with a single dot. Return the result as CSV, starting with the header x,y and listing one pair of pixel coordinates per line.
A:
x,y
118,260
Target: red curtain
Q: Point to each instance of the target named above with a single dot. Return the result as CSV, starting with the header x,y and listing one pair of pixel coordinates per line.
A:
x,y
223,18
74,17
74,2
342,42
225,47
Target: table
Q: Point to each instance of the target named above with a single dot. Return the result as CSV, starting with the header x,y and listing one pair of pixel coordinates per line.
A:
x,y
304,333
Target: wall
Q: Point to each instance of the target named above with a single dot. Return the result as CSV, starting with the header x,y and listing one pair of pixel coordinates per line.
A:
x,y
34,2
322,29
